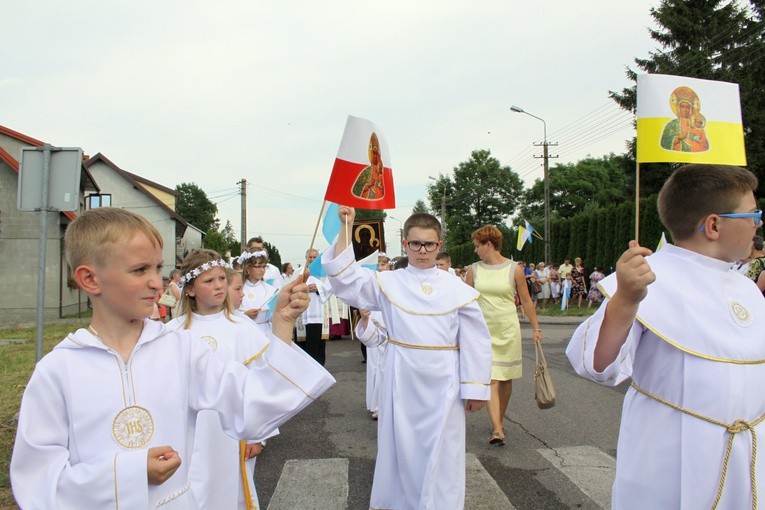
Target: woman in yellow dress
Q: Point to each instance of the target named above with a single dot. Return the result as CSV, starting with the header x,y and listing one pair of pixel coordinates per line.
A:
x,y
498,279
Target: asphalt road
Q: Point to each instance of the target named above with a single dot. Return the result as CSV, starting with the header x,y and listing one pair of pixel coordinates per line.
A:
x,y
556,458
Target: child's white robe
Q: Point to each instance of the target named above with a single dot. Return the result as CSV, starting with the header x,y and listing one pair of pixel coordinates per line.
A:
x,y
375,338
215,473
698,343
256,296
66,454
421,428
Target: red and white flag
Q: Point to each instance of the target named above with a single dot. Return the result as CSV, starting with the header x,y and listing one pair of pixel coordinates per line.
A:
x,y
362,176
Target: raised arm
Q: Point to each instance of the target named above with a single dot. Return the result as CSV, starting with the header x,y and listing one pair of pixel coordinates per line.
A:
x,y
633,276
347,215
292,302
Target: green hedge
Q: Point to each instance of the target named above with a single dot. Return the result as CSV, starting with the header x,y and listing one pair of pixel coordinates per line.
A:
x,y
599,237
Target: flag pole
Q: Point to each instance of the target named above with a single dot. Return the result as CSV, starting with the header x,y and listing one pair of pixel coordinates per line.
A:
x,y
315,229
637,201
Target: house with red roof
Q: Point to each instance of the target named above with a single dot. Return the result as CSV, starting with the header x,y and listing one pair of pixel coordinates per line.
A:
x,y
102,183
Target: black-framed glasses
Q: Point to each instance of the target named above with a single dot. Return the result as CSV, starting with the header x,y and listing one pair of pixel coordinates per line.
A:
x,y
430,246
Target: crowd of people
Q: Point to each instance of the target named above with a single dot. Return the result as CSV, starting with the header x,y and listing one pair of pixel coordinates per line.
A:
x,y
243,350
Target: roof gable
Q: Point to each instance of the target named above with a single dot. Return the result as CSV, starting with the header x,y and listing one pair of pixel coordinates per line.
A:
x,y
138,183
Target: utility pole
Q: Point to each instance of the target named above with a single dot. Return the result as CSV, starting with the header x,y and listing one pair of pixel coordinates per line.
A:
x,y
243,193
546,157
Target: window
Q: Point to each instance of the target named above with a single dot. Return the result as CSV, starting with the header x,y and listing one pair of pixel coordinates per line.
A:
x,y
95,201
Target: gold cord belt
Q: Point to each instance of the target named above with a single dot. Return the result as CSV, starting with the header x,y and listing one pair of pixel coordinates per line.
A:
x,y
426,347
733,429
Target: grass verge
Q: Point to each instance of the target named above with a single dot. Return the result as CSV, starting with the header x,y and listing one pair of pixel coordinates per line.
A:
x,y
17,361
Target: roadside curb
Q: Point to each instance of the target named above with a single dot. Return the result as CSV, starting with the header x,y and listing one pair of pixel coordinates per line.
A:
x,y
547,319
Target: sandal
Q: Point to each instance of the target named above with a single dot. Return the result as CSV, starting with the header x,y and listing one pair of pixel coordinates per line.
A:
x,y
497,439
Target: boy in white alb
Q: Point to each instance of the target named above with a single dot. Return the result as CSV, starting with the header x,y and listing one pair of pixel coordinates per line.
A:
x,y
437,366
107,419
690,332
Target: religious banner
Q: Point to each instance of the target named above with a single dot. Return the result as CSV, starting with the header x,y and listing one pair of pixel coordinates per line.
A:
x,y
687,120
362,176
368,237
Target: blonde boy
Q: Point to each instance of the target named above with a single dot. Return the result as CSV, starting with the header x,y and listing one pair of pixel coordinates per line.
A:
x,y
107,419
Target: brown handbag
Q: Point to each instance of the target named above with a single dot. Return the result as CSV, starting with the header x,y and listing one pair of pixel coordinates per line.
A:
x,y
544,390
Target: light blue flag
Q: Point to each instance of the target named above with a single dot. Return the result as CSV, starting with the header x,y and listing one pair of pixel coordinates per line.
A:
x,y
530,237
330,226
370,261
316,269
269,306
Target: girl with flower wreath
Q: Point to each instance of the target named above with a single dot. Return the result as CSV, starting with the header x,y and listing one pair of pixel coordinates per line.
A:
x,y
257,292
210,315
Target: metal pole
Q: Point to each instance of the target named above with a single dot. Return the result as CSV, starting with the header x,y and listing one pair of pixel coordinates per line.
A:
x,y
42,254
546,156
243,193
546,166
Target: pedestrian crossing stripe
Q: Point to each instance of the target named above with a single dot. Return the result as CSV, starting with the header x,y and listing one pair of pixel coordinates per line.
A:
x,y
322,484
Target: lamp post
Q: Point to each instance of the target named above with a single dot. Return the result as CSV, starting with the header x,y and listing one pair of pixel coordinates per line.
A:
x,y
546,157
400,235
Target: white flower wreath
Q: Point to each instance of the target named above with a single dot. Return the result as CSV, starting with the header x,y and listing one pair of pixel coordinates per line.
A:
x,y
203,268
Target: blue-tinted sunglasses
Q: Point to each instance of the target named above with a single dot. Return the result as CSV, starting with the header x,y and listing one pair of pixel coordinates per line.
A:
x,y
755,215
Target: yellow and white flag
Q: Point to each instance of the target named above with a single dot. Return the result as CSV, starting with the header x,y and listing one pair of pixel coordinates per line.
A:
x,y
687,120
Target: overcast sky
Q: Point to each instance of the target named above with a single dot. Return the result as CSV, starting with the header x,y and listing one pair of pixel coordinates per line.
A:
x,y
214,92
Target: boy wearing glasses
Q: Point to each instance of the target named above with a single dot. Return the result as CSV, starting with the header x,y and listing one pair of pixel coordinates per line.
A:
x,y
693,345
437,366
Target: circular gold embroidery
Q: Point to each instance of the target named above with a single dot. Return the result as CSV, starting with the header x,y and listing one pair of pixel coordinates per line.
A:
x,y
740,314
133,427
251,296
212,342
426,289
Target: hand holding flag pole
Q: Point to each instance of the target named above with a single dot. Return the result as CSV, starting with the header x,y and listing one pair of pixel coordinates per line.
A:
x,y
361,177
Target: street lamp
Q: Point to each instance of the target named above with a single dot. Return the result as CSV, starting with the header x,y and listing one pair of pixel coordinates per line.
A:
x,y
400,235
546,156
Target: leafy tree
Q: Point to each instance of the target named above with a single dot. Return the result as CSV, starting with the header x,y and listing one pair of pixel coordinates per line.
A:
x,y
370,214
481,191
420,207
578,187
214,240
715,40
229,236
194,206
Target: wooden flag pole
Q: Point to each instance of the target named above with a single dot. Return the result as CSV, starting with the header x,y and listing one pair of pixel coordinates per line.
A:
x,y
315,229
637,202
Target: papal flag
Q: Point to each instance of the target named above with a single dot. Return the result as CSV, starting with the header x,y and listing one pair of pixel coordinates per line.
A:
x,y
523,236
687,120
362,175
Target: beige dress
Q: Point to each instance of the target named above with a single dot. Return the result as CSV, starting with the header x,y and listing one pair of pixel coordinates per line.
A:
x,y
496,283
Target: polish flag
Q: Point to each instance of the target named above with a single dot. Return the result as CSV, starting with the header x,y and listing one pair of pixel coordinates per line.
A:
x,y
362,175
